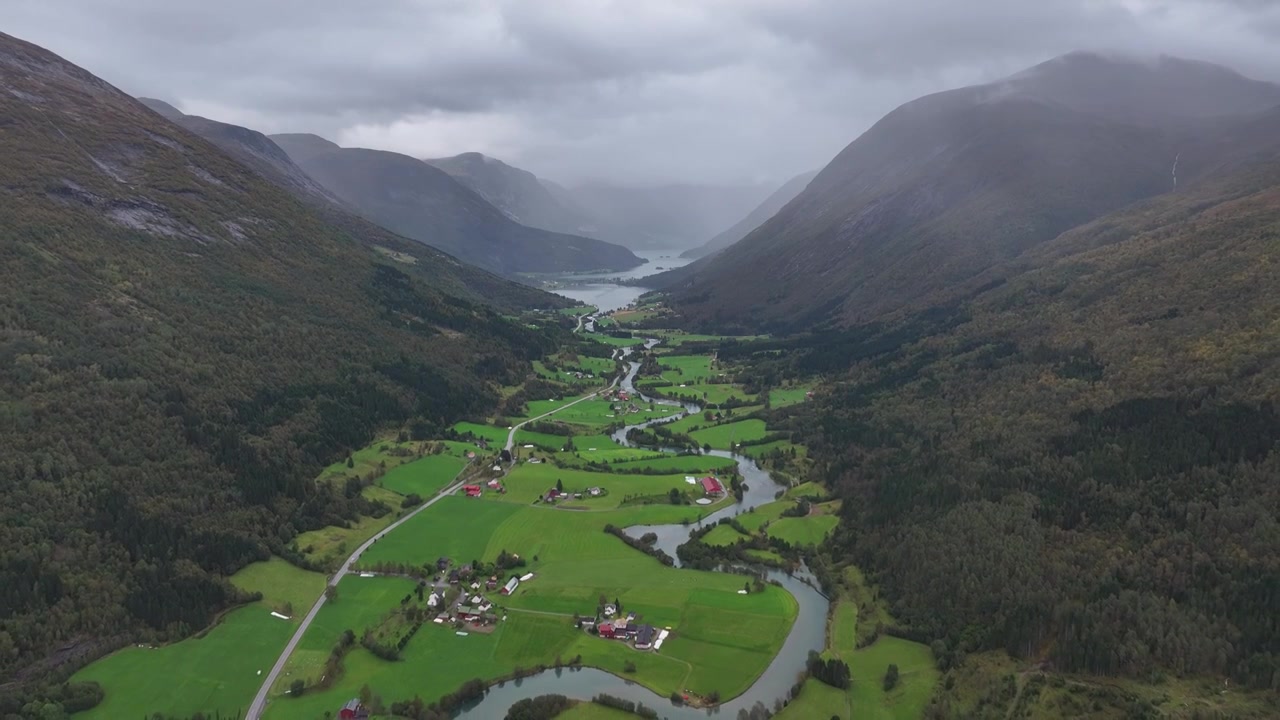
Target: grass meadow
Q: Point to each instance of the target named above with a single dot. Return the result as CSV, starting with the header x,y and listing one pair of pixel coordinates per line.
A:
x,y
216,671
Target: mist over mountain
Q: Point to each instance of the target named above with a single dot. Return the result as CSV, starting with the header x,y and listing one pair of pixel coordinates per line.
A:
x,y
755,218
666,217
946,186
417,200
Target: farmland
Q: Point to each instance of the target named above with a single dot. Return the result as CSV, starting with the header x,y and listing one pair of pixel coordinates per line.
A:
x,y
721,436
423,477
217,671
809,530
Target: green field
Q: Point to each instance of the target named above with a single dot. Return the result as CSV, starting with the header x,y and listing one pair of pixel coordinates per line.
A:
x,y
721,436
456,527
766,513
366,460
782,397
594,414
616,342
687,369
576,311
525,483
677,337
214,673
486,432
818,701
723,535
810,530
917,677
805,489
680,464
328,545
543,441
426,477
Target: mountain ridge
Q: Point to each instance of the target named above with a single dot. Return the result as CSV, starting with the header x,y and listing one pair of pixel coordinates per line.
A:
x,y
947,185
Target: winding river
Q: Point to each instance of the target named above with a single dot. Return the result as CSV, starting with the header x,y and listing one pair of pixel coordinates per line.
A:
x,y
807,633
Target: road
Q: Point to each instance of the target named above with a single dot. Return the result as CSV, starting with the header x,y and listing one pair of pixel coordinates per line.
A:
x,y
511,434
260,700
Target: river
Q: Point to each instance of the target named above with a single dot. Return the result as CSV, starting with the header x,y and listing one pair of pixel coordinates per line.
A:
x,y
599,289
808,633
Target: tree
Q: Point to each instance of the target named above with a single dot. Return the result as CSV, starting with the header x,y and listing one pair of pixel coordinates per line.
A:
x,y
891,677
331,593
297,687
351,462
559,485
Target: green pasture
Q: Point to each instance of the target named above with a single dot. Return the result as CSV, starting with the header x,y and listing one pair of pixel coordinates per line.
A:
x,y
723,535
810,530
592,711
426,477
525,483
817,701
686,368
782,397
485,432
691,464
721,436
217,671
456,527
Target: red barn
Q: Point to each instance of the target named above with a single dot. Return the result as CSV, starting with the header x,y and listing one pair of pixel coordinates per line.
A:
x,y
353,710
712,486
472,490
606,630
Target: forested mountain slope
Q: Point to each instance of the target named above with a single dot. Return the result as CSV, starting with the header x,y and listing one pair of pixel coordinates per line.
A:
x,y
1077,463
949,185
755,218
438,269
410,197
182,346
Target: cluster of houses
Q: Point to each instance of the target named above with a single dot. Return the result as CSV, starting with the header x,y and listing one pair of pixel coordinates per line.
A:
x,y
476,491
471,605
555,494
641,635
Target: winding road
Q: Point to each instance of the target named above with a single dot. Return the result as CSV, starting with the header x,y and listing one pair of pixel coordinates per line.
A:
x,y
260,700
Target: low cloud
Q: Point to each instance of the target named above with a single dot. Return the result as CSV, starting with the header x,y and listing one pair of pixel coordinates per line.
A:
x,y
720,91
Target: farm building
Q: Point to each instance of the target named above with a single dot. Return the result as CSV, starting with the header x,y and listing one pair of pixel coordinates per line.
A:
x,y
353,710
453,577
606,630
511,585
442,563
492,584
472,490
712,486
645,637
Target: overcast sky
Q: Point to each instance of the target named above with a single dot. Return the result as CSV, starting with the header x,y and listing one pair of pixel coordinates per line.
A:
x,y
633,91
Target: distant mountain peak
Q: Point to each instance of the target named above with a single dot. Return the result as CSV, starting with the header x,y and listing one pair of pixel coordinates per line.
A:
x,y
161,107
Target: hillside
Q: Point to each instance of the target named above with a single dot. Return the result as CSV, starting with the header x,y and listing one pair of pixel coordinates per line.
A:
x,y
755,218
414,199
519,194
185,345
1097,427
442,271
947,186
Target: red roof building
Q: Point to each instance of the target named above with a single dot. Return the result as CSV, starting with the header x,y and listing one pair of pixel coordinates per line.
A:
x,y
472,490
606,630
712,486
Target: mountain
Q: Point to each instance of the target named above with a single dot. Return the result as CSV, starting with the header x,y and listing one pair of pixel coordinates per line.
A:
x,y
662,217
519,194
415,199
755,218
260,154
184,346
1084,421
252,148
947,186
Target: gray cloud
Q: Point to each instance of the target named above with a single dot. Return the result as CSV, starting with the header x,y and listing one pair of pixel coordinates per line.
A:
x,y
654,91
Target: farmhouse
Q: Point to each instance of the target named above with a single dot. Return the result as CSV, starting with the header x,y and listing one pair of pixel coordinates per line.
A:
x,y
353,710
492,584
606,630
511,585
472,490
712,486
442,563
645,637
